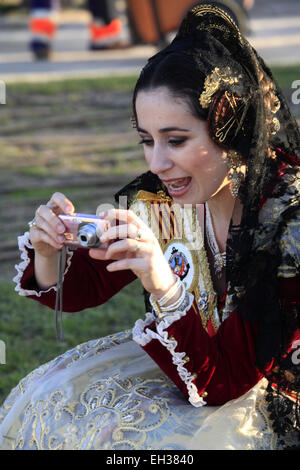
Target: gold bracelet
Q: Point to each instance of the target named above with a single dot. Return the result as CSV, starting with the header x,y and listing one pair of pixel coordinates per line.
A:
x,y
159,311
174,306
171,293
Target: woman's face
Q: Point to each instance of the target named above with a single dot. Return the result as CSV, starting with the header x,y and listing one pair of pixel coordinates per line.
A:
x,y
178,148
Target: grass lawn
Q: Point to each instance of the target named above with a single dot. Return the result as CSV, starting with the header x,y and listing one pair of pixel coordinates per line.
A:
x,y
26,327
284,75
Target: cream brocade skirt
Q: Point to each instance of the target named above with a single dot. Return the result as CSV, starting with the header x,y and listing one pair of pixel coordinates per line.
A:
x,y
109,394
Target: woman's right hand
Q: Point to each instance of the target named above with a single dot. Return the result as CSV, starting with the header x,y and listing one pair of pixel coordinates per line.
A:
x,y
46,235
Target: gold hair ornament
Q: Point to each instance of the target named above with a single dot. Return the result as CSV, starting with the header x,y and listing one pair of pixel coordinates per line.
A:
x,y
222,132
276,106
213,83
275,126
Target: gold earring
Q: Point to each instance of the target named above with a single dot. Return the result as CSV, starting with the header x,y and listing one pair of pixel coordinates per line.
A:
x,y
234,162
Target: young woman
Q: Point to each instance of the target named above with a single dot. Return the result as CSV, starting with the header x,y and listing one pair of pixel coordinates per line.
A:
x,y
212,232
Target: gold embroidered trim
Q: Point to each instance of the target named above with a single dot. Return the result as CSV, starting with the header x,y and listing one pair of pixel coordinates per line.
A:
x,y
222,132
270,438
148,196
166,219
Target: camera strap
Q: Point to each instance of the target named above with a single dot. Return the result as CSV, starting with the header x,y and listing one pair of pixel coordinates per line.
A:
x,y
59,297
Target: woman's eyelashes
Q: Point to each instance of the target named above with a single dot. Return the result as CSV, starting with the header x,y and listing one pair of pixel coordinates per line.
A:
x,y
146,141
174,142
178,141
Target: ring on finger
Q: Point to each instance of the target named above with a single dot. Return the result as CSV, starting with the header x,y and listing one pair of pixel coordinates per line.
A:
x,y
37,212
32,223
138,235
50,205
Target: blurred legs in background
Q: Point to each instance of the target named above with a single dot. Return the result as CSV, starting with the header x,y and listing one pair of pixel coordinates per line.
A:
x,y
119,23
42,25
108,27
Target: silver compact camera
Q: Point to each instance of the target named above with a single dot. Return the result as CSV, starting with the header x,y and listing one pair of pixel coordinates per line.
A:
x,y
83,230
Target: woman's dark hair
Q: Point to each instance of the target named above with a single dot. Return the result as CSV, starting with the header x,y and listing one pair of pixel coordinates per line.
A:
x,y
178,72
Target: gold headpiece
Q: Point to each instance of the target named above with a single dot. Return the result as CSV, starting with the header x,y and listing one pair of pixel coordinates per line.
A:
x,y
213,82
207,9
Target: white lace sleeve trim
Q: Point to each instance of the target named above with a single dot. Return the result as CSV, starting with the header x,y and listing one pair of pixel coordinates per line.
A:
x,y
144,337
24,242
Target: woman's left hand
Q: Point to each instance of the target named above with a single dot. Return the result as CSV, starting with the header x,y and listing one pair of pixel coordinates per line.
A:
x,y
137,249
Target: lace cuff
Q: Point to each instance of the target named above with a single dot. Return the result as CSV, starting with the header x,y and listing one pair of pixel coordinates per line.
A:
x,y
24,245
143,335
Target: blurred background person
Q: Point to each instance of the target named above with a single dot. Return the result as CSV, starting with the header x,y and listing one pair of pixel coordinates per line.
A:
x,y
121,23
106,29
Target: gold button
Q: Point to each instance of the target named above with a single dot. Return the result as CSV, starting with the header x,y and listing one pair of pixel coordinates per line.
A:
x,y
172,338
204,394
186,359
195,375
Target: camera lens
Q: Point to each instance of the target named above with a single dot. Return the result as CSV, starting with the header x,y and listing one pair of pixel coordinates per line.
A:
x,y
87,235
